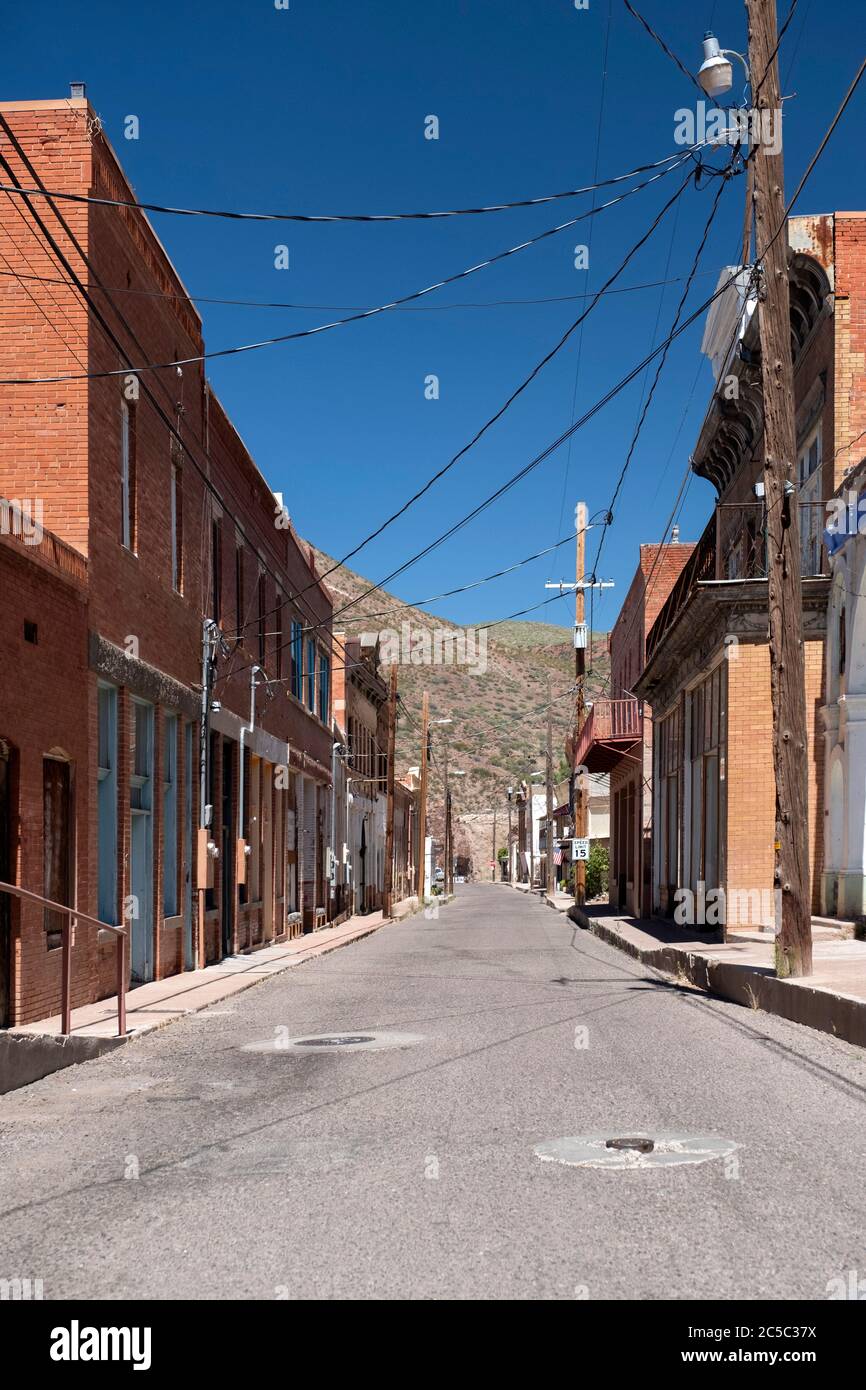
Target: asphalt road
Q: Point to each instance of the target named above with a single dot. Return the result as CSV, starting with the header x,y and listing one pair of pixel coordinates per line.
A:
x,y
411,1172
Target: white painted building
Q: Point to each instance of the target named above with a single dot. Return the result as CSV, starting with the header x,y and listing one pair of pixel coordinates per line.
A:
x,y
843,887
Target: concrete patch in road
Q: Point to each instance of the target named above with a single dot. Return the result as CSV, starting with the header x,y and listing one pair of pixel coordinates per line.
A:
x,y
334,1042
603,1151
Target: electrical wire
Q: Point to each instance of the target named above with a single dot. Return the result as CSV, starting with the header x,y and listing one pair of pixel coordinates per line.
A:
x,y
299,333
579,353
663,46
401,605
608,521
545,453
92,200
299,305
492,420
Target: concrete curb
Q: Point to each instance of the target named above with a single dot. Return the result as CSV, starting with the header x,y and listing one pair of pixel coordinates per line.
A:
x,y
25,1059
843,1016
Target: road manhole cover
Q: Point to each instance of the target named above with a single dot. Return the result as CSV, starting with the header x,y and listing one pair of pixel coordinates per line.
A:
x,y
637,1150
330,1042
640,1144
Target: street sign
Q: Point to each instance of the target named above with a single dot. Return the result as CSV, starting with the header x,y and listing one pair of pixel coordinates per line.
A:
x,y
580,849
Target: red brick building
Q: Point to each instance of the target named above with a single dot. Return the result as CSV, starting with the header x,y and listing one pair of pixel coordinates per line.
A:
x,y
617,735
361,712
156,520
44,739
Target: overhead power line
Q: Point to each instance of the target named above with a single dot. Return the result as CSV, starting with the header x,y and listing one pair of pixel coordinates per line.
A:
x,y
93,200
455,458
296,304
657,38
544,454
401,605
608,521
351,318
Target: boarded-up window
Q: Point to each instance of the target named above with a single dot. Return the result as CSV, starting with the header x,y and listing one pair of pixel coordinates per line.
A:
x,y
56,842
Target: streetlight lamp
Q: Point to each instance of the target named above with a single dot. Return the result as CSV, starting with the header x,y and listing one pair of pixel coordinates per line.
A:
x,y
716,73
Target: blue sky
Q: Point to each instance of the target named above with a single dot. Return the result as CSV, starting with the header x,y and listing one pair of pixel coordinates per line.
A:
x,y
321,108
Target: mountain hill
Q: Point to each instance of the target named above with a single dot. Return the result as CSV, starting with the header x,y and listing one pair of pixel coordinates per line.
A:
x,y
498,701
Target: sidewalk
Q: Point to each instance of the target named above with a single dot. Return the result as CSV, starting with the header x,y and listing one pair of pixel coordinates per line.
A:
x,y
37,1049
833,999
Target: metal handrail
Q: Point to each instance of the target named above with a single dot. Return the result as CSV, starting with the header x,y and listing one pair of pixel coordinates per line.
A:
x,y
70,913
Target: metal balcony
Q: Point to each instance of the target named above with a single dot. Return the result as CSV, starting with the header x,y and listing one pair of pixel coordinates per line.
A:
x,y
609,734
734,547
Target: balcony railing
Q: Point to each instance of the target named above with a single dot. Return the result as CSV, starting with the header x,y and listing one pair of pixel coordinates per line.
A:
x,y
609,722
71,915
734,546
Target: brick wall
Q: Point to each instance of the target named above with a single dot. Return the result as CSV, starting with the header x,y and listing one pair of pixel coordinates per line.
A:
x,y
43,710
850,343
750,778
43,326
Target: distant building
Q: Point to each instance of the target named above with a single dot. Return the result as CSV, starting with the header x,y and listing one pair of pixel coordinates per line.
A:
x,y
616,739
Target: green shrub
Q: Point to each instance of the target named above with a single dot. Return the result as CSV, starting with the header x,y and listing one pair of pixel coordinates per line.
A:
x,y
597,870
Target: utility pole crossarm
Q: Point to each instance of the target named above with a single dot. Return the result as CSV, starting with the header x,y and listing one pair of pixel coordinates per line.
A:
x,y
564,586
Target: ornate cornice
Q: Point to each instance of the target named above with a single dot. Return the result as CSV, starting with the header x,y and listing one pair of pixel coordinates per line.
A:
x,y
733,427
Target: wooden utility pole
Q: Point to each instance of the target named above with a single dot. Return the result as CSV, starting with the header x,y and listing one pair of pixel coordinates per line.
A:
x,y
787,668
551,867
422,808
389,823
508,860
580,795
447,790
493,852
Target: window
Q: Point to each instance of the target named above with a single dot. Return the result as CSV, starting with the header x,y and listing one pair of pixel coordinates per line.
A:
x,y
263,623
169,820
127,475
706,741
56,844
176,527
311,674
811,519
216,570
278,635
239,589
669,762
106,796
142,767
297,659
324,687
